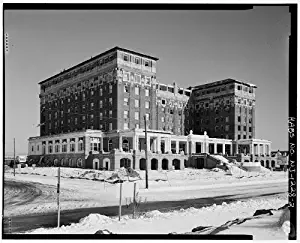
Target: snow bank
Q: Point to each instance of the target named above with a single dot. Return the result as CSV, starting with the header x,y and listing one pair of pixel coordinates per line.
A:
x,y
179,221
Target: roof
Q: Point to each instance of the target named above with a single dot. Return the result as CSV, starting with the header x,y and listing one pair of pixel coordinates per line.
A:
x,y
116,48
221,82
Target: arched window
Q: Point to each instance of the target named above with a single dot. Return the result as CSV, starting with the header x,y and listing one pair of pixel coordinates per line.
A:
x,y
79,163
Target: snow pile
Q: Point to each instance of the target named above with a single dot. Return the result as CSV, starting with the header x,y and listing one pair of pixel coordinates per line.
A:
x,y
265,170
123,174
153,214
95,219
73,173
236,171
217,170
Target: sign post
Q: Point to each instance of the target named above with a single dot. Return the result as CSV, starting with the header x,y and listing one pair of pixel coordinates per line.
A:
x,y
58,191
146,152
134,193
120,202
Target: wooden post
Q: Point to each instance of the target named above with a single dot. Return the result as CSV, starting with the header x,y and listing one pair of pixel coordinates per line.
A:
x,y
146,153
134,192
120,202
58,192
14,159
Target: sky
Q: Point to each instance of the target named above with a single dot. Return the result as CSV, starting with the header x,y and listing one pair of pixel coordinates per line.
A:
x,y
193,47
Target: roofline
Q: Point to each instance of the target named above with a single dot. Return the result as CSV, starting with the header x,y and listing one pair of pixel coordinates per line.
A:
x,y
229,80
116,48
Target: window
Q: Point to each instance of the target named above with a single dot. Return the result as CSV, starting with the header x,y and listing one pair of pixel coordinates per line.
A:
x,y
216,128
126,89
91,116
100,92
69,121
72,147
226,128
100,104
83,118
147,104
137,90
239,119
57,148
250,120
80,145
137,115
92,106
110,89
110,101
250,129
137,61
110,126
239,87
217,120
136,103
147,116
125,114
245,136
61,113
125,101
146,92
101,115
64,147
147,64
32,148
163,102
38,148
162,119
109,145
110,114
137,78
239,128
245,128
92,92
126,58
227,119
171,111
239,136
101,126
75,120
50,116
125,126
49,125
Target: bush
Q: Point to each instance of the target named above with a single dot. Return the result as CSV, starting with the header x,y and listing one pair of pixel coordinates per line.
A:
x,y
138,202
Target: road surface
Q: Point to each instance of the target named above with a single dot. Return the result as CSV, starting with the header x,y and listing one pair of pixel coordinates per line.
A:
x,y
28,192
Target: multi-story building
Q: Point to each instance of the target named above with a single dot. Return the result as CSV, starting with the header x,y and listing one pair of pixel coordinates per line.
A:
x,y
112,91
92,115
225,109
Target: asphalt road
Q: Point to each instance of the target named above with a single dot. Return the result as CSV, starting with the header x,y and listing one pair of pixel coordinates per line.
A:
x,y
28,222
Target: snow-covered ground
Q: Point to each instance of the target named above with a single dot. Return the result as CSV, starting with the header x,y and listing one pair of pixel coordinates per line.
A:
x,y
182,221
34,190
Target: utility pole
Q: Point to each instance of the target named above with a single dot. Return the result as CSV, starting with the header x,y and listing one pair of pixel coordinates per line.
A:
x,y
14,158
58,192
146,152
